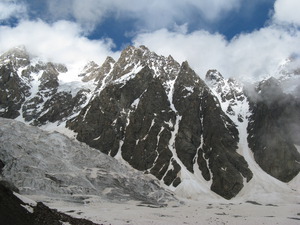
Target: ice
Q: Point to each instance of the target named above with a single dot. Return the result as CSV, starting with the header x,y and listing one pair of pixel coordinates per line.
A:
x,y
67,168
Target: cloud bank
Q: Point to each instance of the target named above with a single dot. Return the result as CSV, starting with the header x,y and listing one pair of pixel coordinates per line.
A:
x,y
148,15
247,56
10,9
287,11
252,55
61,42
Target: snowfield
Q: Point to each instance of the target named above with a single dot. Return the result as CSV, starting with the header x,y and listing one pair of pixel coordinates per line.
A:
x,y
207,211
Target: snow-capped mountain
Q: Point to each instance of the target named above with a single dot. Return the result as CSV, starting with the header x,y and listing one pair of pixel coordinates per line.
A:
x,y
39,92
159,117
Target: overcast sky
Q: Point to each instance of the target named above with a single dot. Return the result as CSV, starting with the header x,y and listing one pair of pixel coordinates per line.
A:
x,y
240,38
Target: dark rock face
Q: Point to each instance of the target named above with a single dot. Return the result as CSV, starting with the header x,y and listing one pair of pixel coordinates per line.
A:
x,y
122,124
202,118
59,107
13,91
1,166
12,212
274,130
164,124
49,80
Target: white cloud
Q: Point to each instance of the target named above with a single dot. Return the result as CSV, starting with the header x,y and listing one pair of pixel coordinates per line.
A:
x,y
61,42
213,9
287,11
87,13
247,56
9,8
148,15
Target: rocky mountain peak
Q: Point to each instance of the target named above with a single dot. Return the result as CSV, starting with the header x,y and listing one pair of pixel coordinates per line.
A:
x,y
93,71
269,90
89,71
134,57
17,56
215,79
214,76
288,75
189,76
288,68
271,82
